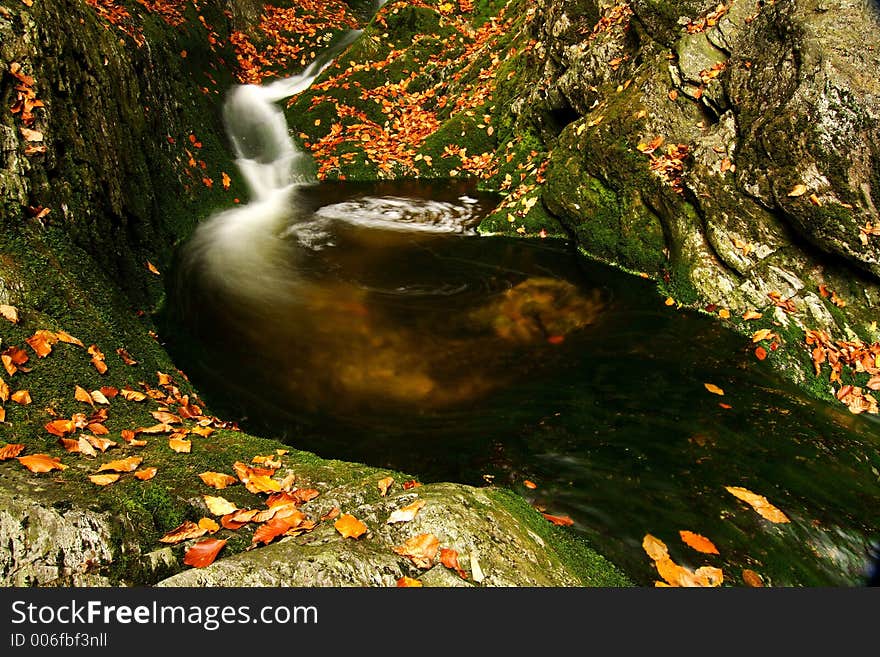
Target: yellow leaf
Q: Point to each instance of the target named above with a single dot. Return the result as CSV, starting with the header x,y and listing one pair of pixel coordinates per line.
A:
x,y
180,445
219,506
798,190
761,334
759,503
9,312
654,547
209,525
22,397
711,387
152,268
103,480
384,485
129,464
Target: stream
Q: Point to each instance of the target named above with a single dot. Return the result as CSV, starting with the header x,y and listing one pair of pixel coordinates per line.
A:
x,y
369,322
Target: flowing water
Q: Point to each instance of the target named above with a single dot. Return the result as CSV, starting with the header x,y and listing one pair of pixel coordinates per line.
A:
x,y
369,322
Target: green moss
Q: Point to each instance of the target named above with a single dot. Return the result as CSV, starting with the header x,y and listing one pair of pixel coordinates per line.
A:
x,y
572,550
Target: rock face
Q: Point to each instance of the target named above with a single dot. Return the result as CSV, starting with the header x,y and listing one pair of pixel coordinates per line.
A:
x,y
494,548
728,150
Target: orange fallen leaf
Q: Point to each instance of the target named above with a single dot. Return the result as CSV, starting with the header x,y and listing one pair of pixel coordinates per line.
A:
x,y
126,357
751,314
105,479
562,521
669,301
11,450
349,526
217,479
760,353
759,503
226,179
41,342
99,365
64,336
152,268
22,397
146,473
219,506
41,462
449,558
384,485
82,395
405,582
331,514
269,531
420,549
203,553
180,445
60,427
751,578
530,484
406,513
129,464
412,483
724,313
166,418
102,444
164,379
698,542
183,532
715,390
4,391
209,525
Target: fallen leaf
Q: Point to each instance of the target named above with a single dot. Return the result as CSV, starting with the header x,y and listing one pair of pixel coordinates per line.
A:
x,y
412,483
41,462
761,334
759,503
209,524
166,418
64,336
711,387
798,190
698,542
99,398
219,506
405,582
760,353
41,342
655,548
407,513
217,479
751,578
129,464
384,485
146,473
9,312
104,480
11,450
102,444
132,395
152,268
751,314
420,549
562,521
331,514
269,531
60,427
22,397
530,484
126,357
203,553
180,445
449,558
183,532
82,395
349,526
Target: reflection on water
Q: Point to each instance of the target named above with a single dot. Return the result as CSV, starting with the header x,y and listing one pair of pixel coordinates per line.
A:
x,y
466,358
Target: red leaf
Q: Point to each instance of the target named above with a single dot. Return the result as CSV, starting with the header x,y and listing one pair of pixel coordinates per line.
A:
x,y
203,553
